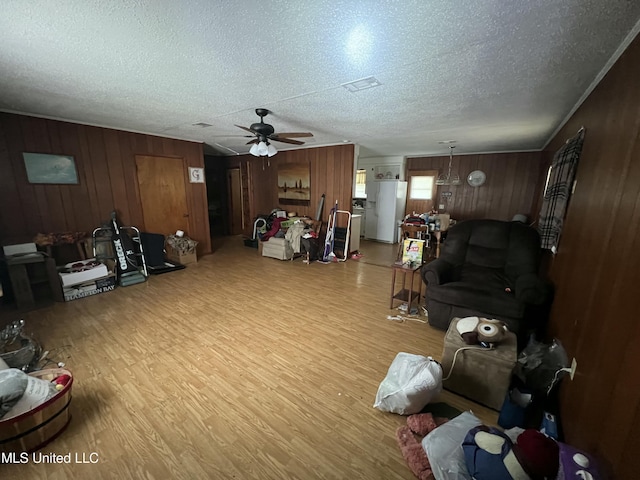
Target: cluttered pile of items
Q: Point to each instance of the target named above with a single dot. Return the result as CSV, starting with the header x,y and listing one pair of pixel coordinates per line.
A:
x,y
112,255
528,443
34,395
282,235
434,221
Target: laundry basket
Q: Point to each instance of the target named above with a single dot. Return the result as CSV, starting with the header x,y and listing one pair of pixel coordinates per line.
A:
x,y
36,428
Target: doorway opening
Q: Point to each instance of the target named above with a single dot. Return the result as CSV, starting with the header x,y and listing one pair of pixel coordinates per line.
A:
x,y
215,178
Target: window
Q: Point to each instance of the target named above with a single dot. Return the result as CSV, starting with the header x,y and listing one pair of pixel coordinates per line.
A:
x,y
421,187
422,192
361,184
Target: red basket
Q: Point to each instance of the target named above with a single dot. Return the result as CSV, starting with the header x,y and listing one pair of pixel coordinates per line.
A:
x,y
36,428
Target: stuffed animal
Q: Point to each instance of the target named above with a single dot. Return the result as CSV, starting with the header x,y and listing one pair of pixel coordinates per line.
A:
x,y
418,424
575,464
474,330
490,455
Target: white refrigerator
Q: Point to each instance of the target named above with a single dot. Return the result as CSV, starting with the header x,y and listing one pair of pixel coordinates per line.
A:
x,y
386,201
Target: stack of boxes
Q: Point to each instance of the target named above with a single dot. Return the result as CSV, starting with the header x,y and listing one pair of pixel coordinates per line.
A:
x,y
87,277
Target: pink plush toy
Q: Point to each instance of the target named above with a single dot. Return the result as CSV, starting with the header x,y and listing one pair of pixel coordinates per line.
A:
x,y
413,453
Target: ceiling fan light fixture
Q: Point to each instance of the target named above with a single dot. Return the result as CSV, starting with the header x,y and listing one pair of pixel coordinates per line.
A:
x,y
264,134
262,148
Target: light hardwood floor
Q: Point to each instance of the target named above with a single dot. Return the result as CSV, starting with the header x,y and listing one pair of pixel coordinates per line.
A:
x,y
238,367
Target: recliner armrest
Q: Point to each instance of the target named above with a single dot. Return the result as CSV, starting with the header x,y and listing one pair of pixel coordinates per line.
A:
x,y
530,288
437,272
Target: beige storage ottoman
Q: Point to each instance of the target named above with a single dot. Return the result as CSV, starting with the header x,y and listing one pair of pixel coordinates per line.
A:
x,y
482,375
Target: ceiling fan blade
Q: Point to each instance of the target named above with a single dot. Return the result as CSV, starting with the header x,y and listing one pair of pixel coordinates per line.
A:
x,y
295,134
286,140
229,136
255,140
245,128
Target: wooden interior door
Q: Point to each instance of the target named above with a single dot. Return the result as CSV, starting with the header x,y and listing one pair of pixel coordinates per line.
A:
x,y
163,194
234,189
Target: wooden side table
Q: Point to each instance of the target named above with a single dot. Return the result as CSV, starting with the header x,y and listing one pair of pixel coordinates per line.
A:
x,y
405,294
34,280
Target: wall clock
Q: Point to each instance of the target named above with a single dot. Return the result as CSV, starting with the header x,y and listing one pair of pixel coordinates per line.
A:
x,y
476,178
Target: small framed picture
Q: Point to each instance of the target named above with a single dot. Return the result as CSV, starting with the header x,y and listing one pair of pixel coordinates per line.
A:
x,y
196,175
52,169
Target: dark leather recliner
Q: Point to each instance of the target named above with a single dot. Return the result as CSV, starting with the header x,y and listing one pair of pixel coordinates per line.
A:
x,y
480,261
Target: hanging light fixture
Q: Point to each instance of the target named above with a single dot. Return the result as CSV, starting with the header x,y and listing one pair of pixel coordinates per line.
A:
x,y
263,148
448,179
271,150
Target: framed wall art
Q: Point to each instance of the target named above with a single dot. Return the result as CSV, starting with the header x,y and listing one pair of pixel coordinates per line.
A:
x,y
50,169
294,185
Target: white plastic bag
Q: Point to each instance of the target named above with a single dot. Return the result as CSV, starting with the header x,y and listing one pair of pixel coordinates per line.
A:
x,y
411,382
444,447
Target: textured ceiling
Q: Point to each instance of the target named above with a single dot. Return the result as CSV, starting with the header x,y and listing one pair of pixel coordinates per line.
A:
x,y
490,74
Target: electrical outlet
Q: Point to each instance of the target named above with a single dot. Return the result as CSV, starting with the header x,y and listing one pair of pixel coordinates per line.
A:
x,y
441,206
574,367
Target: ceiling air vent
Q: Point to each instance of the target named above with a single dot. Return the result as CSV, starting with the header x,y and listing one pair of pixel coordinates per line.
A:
x,y
362,84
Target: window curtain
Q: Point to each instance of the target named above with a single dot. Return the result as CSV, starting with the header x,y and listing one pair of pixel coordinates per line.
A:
x,y
557,191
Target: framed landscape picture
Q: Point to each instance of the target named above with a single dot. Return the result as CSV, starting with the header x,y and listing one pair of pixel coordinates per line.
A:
x,y
294,183
46,168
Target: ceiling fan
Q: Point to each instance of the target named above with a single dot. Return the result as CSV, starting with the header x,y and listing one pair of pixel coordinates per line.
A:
x,y
264,133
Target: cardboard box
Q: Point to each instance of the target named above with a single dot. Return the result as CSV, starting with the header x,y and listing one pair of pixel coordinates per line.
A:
x,y
183,258
100,285
69,279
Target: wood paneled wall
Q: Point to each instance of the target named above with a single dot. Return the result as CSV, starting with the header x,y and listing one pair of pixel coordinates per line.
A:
x,y
331,173
512,184
597,272
105,160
